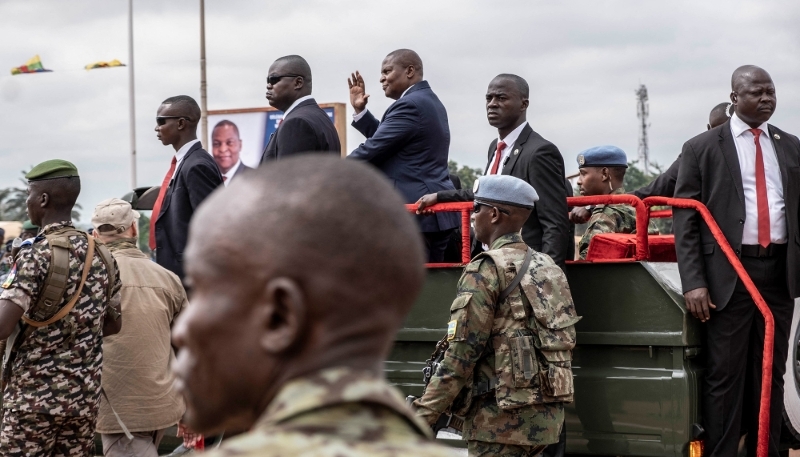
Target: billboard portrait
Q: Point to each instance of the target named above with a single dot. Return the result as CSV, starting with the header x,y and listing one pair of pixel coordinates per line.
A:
x,y
246,132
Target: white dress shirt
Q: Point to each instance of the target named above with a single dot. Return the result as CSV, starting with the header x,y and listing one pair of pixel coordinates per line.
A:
x,y
357,116
509,140
181,153
297,102
226,177
746,150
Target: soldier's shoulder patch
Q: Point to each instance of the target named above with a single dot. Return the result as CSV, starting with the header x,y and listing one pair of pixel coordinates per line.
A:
x,y
10,278
451,329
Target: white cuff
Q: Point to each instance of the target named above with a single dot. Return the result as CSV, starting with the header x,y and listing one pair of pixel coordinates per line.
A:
x,y
357,116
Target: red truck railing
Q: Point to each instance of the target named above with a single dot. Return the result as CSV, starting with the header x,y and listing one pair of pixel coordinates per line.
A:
x,y
465,209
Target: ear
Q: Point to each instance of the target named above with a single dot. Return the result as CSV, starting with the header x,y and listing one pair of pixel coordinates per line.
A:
x,y
411,71
734,97
495,216
95,235
525,104
282,315
605,174
44,200
299,82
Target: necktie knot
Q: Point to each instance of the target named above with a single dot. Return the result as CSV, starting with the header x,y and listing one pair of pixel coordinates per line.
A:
x,y
756,133
500,146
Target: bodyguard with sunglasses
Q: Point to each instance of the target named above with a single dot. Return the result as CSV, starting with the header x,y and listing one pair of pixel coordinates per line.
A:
x,y
191,177
305,126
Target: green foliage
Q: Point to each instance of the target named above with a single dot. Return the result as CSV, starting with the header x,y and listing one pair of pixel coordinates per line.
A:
x,y
636,178
466,174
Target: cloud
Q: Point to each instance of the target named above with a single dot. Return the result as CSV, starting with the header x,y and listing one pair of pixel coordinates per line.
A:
x,y
583,60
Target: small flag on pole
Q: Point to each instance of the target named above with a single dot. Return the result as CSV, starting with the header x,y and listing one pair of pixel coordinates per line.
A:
x,y
32,66
113,63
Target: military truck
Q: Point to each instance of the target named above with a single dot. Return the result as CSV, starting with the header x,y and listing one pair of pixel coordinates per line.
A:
x,y
638,365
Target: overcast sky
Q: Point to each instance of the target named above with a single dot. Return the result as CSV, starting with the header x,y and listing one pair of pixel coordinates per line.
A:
x,y
582,59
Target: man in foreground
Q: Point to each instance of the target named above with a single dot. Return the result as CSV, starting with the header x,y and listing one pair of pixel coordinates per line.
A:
x,y
225,147
602,171
411,143
521,152
136,361
192,175
501,320
56,324
747,173
305,126
291,353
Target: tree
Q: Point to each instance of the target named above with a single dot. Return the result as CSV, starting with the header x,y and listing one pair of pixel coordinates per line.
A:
x,y
466,174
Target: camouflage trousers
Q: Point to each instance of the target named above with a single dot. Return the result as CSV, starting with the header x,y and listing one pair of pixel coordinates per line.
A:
x,y
26,434
484,449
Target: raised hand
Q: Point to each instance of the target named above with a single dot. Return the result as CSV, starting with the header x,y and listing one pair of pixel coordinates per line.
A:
x,y
358,93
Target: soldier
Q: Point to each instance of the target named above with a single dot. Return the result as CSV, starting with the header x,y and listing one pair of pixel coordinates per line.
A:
x,y
56,307
287,333
602,170
507,369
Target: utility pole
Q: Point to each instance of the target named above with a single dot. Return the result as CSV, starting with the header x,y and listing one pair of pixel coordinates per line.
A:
x,y
203,101
642,112
131,95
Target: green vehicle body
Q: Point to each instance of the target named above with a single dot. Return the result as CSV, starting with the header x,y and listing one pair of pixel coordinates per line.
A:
x,y
637,363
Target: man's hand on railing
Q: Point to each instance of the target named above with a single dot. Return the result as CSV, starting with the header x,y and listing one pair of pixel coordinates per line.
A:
x,y
426,201
579,215
698,303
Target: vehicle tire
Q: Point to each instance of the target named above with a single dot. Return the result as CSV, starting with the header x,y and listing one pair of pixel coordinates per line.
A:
x,y
791,380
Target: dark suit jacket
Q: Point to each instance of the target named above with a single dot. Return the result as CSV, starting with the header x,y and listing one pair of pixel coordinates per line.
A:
x,y
306,128
710,172
411,145
541,165
196,177
663,185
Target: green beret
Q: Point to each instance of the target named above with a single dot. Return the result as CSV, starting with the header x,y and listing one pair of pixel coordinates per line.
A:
x,y
28,225
51,169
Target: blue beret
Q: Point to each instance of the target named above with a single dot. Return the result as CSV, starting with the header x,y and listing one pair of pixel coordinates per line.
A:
x,y
505,189
603,156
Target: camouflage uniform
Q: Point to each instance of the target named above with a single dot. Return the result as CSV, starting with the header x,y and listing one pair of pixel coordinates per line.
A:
x,y
51,400
518,415
336,412
608,219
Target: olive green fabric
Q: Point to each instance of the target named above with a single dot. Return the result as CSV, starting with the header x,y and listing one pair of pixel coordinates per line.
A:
x,y
50,169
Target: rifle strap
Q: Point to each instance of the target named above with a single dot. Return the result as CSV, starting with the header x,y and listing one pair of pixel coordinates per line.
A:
x,y
518,278
71,304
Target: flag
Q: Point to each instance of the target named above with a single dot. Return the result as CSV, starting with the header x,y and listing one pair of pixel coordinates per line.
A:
x,y
32,66
113,63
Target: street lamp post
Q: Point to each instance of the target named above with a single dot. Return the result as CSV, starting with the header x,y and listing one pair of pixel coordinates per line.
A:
x,y
203,101
131,95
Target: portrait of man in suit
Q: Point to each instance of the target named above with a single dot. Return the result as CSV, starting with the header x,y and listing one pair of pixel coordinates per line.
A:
x,y
747,173
191,177
225,147
305,126
411,143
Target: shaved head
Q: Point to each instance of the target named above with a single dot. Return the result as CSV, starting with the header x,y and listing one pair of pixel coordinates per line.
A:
x,y
719,115
744,74
753,95
184,105
296,65
406,58
518,81
324,276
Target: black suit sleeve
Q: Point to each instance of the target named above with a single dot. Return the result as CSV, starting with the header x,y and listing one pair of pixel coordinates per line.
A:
x,y
546,174
663,185
686,223
202,179
455,195
296,136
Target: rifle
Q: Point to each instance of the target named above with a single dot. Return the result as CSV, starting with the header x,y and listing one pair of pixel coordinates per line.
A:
x,y
446,420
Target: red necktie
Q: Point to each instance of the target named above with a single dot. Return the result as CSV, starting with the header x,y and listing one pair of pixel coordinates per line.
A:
x,y
499,153
761,193
159,201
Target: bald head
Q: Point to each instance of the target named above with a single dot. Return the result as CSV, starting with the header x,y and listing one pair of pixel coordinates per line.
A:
x,y
518,82
719,115
184,105
296,65
406,58
753,95
746,73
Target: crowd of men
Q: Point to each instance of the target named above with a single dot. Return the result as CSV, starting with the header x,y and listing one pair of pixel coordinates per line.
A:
x,y
284,337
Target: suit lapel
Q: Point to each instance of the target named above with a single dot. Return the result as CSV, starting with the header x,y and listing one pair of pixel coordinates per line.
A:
x,y
782,158
518,145
728,147
171,187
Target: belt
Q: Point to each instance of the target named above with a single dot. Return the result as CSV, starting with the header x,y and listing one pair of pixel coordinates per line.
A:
x,y
756,250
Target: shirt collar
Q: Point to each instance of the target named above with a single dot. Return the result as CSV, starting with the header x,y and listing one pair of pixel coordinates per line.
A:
x,y
184,149
332,387
738,126
409,88
509,238
297,102
511,138
232,171
49,228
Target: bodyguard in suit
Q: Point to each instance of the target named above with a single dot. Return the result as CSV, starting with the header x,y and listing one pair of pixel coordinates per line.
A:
x,y
226,146
305,126
747,173
520,152
191,177
411,143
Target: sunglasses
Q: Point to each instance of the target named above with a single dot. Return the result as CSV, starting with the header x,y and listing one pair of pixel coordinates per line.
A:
x,y
477,207
273,79
161,120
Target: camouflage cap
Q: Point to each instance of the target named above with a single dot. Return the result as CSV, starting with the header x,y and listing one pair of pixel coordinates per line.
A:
x,y
505,189
28,226
114,212
51,169
603,156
